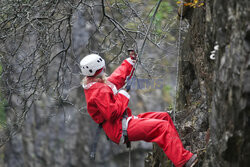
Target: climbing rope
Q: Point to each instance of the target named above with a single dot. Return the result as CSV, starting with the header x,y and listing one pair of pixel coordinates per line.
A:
x,y
132,73
129,157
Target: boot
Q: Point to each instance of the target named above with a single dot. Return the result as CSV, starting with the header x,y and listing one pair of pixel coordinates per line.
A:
x,y
192,161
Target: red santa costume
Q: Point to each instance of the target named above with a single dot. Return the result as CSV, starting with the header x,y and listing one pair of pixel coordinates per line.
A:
x,y
106,106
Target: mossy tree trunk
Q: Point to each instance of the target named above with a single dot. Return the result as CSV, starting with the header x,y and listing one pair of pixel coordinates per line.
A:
x,y
213,103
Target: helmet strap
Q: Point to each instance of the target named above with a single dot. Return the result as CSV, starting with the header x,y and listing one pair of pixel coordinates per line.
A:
x,y
100,71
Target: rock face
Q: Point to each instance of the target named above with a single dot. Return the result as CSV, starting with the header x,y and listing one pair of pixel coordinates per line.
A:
x,y
229,119
213,103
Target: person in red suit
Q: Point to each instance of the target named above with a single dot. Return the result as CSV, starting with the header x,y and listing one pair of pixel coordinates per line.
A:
x,y
109,107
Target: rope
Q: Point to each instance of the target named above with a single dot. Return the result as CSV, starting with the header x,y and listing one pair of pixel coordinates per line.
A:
x,y
129,157
128,86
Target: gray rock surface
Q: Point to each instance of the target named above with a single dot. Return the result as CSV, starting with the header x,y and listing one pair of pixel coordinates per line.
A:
x,y
229,118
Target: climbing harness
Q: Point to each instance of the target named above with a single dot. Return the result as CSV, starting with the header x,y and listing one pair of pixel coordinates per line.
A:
x,y
124,130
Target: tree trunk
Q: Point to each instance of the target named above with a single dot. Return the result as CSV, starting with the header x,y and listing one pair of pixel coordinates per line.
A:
x,y
213,102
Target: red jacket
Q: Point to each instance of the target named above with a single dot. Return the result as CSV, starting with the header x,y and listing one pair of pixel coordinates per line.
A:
x,y
107,106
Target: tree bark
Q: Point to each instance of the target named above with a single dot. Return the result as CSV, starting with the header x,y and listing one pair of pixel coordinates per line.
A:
x,y
213,102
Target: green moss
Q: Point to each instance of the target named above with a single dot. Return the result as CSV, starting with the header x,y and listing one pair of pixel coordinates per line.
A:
x,y
167,94
131,25
163,11
1,155
170,107
196,103
2,111
162,16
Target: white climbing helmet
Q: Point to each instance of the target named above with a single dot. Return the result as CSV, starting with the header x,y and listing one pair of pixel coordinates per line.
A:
x,y
91,63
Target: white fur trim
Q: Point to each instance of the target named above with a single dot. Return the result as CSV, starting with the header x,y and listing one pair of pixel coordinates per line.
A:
x,y
123,92
130,61
88,85
113,87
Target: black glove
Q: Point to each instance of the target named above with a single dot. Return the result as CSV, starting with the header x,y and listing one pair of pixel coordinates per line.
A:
x,y
132,54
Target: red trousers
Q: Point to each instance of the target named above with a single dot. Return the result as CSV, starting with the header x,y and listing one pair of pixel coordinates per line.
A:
x,y
158,127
